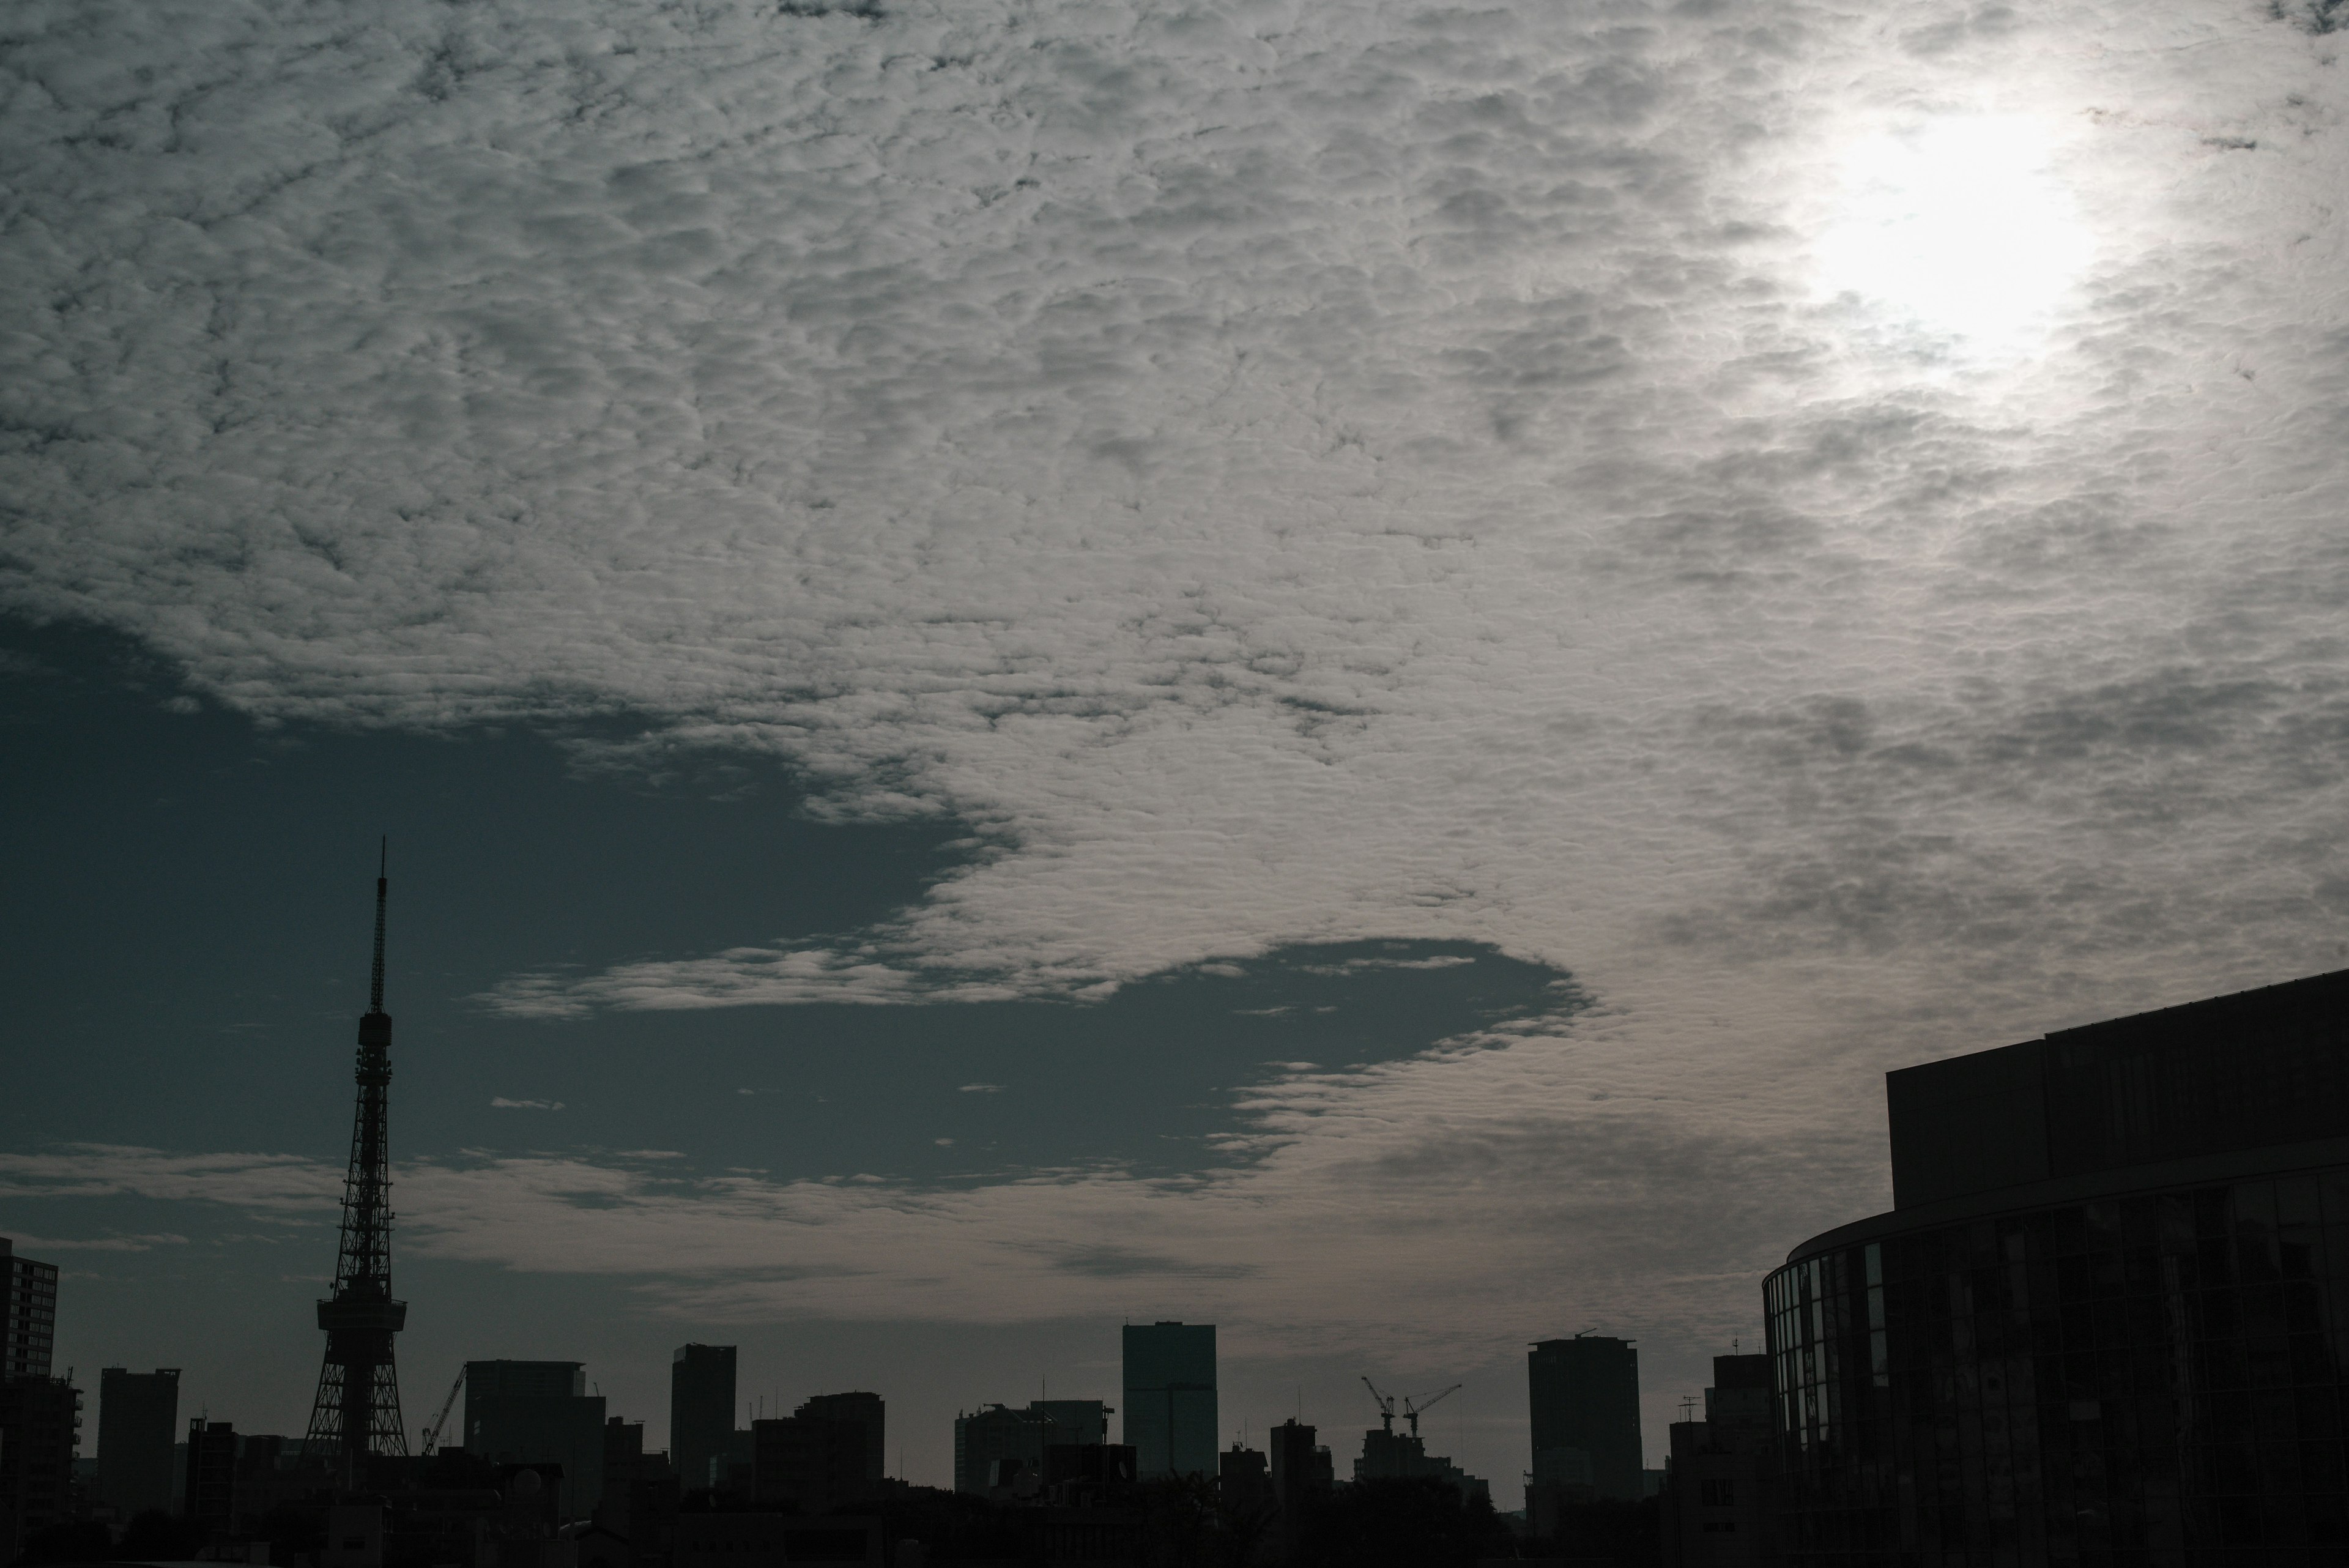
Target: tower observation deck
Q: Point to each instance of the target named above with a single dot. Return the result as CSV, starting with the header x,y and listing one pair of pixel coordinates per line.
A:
x,y
356,1413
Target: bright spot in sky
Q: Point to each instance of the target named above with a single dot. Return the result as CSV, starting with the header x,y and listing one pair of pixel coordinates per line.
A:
x,y
1957,227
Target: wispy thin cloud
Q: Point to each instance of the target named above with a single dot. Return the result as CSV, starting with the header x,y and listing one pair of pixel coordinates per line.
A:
x,y
100,1245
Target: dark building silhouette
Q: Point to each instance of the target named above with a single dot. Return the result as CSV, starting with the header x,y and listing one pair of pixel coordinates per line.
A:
x,y
639,1500
356,1413
29,1316
1717,1496
1003,1452
2104,1320
996,1446
1303,1475
700,1411
1584,1395
209,1494
866,1412
813,1461
1170,1397
1243,1482
1077,1423
40,1421
1088,1475
759,1539
138,1429
539,1413
40,1416
1390,1455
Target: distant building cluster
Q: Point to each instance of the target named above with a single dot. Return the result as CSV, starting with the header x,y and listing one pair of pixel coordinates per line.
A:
x,y
2104,1322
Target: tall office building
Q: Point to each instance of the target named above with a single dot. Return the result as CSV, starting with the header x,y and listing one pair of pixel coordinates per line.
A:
x,y
1170,1399
2107,1318
138,1426
1585,1397
538,1412
28,1317
700,1411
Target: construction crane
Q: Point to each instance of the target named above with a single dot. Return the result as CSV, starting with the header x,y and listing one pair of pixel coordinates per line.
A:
x,y
1386,1406
440,1422
1416,1405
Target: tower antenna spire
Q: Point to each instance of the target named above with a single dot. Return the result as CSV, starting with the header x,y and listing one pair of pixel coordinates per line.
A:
x,y
355,1417
382,888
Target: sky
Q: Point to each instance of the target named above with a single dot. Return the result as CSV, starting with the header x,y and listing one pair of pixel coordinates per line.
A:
x,y
1350,669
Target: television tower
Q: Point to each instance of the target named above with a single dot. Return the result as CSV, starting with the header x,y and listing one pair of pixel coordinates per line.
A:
x,y
357,1414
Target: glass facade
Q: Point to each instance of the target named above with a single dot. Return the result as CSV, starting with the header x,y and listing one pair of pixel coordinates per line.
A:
x,y
2152,1378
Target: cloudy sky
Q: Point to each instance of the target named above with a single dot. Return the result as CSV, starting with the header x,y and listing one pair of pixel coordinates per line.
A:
x,y
1349,669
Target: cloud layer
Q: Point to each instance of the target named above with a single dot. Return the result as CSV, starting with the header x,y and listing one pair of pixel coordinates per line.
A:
x,y
1277,474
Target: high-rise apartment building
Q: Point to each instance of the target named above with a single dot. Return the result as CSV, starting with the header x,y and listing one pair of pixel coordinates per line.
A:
x,y
29,1316
700,1411
40,1416
1584,1395
1170,1399
538,1412
138,1426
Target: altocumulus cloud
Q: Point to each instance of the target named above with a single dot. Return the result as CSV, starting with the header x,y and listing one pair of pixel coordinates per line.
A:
x,y
1366,470
1291,1241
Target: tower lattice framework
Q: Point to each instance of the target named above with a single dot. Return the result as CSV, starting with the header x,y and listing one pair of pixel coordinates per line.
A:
x,y
356,1413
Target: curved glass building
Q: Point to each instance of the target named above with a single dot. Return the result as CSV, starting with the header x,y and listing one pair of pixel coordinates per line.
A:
x,y
2107,1318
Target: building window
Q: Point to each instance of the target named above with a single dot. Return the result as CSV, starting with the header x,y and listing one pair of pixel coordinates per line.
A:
x,y
1717,1493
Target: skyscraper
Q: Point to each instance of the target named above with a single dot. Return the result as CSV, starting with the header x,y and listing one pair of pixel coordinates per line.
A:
x,y
1584,1399
356,1412
137,1424
700,1410
29,1316
1170,1399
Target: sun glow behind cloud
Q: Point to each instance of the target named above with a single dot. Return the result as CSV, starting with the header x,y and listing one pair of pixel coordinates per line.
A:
x,y
1957,228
